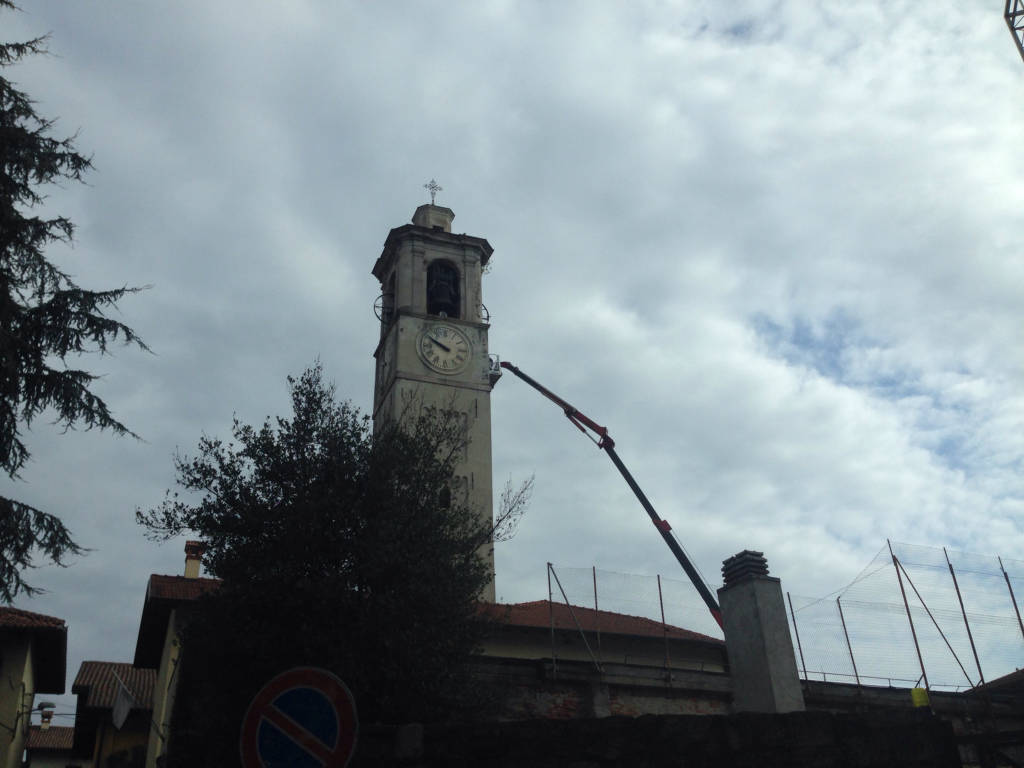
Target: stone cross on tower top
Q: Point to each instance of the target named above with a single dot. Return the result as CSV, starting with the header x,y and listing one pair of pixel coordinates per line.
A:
x,y
433,187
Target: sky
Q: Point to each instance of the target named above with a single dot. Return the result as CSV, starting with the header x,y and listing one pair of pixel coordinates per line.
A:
x,y
775,247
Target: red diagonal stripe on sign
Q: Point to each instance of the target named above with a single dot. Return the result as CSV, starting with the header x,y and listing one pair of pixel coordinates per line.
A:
x,y
299,735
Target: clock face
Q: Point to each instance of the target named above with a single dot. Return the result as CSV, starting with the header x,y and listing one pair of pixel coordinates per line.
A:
x,y
444,348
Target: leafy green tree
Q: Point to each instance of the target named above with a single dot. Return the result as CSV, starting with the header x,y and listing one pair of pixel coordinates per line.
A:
x,y
44,318
338,548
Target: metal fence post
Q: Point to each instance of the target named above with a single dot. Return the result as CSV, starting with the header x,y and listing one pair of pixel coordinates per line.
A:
x,y
963,611
796,631
597,615
938,628
572,615
846,634
664,627
913,632
1012,598
551,619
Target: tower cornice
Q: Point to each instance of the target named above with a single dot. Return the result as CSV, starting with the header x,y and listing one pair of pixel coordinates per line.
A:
x,y
429,236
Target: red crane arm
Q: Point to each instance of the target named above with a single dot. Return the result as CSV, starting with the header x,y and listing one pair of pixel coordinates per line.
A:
x,y
582,421
604,440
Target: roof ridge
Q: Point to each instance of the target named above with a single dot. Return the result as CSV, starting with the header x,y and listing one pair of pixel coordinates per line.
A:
x,y
529,614
594,610
53,620
98,683
58,738
117,664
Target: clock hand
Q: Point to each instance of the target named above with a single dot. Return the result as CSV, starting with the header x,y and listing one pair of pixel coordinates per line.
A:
x,y
442,346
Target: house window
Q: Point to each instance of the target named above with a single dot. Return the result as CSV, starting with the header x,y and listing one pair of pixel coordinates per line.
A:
x,y
443,290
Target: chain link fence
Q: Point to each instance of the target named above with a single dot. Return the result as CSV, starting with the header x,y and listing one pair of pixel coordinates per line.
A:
x,y
915,615
672,602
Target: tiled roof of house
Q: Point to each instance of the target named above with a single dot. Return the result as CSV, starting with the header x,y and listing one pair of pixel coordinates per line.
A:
x,y
164,594
97,687
179,587
49,638
55,737
538,614
19,619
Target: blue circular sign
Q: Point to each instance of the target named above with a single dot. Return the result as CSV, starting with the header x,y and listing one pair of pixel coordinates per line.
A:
x,y
303,717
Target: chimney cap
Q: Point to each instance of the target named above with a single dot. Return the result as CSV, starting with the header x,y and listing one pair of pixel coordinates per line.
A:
x,y
744,565
194,548
193,558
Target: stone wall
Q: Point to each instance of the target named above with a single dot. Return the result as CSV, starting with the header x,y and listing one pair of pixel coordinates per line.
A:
x,y
913,739
522,689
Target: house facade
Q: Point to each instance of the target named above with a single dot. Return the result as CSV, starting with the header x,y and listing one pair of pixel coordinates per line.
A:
x,y
102,737
165,613
49,746
33,660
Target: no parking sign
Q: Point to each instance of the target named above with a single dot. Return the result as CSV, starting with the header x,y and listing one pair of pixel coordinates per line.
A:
x,y
303,717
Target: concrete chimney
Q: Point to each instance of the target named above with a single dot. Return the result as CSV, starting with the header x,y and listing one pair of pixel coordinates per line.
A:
x,y
761,659
193,558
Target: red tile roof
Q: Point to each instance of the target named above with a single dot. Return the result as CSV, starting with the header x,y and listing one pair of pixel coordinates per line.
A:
x,y
19,619
164,594
55,737
49,638
179,587
538,614
97,687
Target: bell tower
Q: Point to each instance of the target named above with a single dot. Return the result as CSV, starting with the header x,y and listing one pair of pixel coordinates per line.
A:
x,y
433,342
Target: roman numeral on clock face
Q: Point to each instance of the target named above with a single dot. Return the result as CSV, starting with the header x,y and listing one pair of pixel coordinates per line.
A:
x,y
444,348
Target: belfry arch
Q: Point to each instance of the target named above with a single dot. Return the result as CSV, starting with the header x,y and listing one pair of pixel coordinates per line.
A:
x,y
444,298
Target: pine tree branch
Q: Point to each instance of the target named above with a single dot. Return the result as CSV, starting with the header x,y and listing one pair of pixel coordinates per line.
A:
x,y
44,317
23,531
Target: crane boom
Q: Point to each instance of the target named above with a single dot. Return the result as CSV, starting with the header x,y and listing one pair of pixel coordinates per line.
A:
x,y
604,441
1014,15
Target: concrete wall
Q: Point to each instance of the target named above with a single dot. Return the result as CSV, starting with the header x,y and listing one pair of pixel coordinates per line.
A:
x,y
52,760
521,689
126,746
165,690
817,739
979,721
576,699
761,655
17,686
535,643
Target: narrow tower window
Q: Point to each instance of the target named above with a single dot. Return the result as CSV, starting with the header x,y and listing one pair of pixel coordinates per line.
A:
x,y
443,290
388,301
